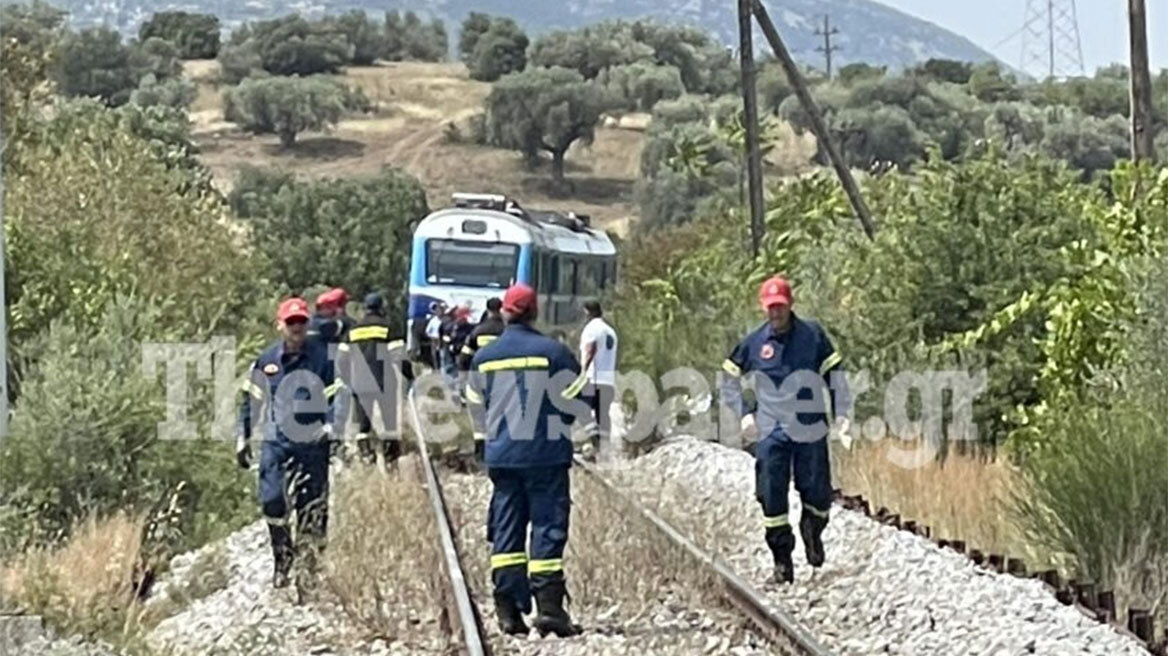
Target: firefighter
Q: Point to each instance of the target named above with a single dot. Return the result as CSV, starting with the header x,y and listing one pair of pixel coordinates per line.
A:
x,y
370,347
331,322
487,330
522,393
790,360
291,389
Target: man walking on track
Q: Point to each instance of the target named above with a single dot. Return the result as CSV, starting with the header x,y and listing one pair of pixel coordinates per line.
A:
x,y
290,388
372,351
519,387
598,345
790,360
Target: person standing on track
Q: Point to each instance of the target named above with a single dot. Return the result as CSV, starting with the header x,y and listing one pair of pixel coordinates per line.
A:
x,y
519,388
790,359
291,386
487,331
598,345
371,349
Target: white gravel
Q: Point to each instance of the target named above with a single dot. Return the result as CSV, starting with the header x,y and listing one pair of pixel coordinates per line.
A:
x,y
882,590
250,617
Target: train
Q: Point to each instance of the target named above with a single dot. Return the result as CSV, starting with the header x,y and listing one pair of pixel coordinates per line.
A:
x,y
470,252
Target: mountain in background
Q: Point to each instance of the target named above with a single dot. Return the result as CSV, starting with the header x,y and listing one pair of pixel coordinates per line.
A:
x,y
868,31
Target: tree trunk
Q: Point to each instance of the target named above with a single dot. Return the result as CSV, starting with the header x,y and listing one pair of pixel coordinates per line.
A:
x,y
558,166
287,138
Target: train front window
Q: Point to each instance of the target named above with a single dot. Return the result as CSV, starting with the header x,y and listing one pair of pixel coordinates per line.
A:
x,y
470,263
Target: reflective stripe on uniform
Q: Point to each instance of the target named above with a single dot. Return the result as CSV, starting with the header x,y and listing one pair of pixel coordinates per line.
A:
x,y
332,390
830,362
249,386
729,367
483,340
473,395
397,343
775,522
277,521
515,363
823,514
545,566
467,350
507,559
366,333
577,386
480,437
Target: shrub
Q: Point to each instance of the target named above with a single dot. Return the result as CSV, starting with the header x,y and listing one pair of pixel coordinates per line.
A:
x,y
284,106
368,220
195,35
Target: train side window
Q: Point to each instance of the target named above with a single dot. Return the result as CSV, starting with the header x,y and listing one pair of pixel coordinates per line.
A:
x,y
566,280
587,280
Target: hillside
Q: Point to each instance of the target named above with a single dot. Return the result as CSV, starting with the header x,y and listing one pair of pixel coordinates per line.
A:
x,y
415,104
869,31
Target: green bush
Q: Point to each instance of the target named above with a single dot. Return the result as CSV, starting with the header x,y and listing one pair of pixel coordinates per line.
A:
x,y
284,106
1097,495
177,93
195,35
84,439
500,50
106,202
368,221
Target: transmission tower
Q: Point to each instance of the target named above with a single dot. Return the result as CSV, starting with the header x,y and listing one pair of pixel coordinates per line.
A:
x,y
1050,39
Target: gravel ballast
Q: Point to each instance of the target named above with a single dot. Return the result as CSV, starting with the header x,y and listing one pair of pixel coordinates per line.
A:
x,y
882,590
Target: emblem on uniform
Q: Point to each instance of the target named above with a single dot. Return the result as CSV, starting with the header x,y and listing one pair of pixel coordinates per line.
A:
x,y
271,368
767,352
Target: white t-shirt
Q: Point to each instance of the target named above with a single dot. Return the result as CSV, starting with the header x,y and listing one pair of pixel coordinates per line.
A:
x,y
602,371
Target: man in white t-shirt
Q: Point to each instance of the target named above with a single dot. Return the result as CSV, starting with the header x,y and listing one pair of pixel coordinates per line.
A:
x,y
598,344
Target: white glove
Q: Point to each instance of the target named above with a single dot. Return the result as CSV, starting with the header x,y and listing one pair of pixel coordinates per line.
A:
x,y
748,427
843,430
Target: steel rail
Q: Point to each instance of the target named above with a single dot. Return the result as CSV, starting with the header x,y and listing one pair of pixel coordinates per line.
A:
x,y
474,636
776,625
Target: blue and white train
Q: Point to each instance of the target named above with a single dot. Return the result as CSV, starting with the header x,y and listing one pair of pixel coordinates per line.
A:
x,y
470,253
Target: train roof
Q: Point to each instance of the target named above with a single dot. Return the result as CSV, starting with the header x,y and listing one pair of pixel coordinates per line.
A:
x,y
506,221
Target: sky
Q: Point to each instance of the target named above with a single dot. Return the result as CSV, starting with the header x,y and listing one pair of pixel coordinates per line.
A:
x,y
1102,26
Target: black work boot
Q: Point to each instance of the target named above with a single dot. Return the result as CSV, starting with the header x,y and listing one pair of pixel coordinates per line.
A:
x,y
552,618
811,528
282,555
782,543
784,568
365,448
510,617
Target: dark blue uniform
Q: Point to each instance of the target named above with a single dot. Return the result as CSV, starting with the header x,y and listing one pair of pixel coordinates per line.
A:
x,y
329,330
793,410
291,395
522,395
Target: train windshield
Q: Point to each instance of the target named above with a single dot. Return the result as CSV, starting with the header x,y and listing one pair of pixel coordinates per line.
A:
x,y
470,263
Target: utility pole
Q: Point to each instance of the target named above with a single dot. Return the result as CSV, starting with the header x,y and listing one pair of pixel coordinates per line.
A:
x,y
817,123
827,32
750,106
3,320
1141,84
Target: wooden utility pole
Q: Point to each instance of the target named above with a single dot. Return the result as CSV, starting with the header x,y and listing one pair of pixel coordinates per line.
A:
x,y
817,123
750,106
827,32
1141,84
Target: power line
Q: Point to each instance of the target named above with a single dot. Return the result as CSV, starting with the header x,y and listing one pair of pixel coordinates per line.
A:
x,y
827,32
1051,46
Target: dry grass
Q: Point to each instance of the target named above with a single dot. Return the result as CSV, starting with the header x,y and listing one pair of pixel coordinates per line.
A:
x,y
382,564
960,497
84,586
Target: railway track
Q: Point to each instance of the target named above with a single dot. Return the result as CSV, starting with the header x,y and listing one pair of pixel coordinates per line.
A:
x,y
772,624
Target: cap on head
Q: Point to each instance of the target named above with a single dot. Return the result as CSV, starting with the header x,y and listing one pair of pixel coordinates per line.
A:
x,y
593,308
335,297
520,299
293,308
775,291
494,305
373,301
